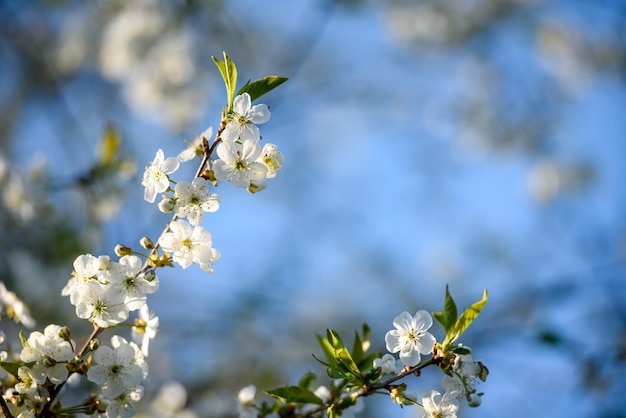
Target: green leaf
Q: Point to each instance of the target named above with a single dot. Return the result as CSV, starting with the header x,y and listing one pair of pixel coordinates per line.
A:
x,y
12,368
357,348
368,361
229,74
328,350
373,375
258,88
448,316
23,339
307,379
466,318
361,344
341,352
461,350
295,394
340,371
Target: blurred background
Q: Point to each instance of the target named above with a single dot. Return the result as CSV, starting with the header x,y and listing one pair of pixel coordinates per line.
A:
x,y
474,143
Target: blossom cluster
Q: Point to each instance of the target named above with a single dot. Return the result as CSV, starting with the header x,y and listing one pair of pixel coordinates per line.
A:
x,y
411,339
240,160
105,291
355,375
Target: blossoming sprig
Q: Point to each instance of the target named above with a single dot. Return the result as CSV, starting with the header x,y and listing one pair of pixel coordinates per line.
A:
x,y
357,373
455,324
105,291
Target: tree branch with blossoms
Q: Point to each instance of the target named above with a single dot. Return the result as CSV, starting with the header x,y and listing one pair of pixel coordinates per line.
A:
x,y
105,292
357,374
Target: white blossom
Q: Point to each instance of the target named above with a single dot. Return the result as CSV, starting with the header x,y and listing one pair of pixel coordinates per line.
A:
x,y
101,304
464,374
139,359
16,309
145,328
86,268
127,278
114,370
244,118
189,245
445,408
272,159
238,164
194,199
48,350
245,404
388,364
123,405
155,178
27,383
194,148
410,337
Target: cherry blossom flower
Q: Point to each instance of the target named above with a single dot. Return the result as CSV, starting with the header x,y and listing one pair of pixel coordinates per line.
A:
x,y
194,199
244,119
189,245
194,148
388,364
155,178
123,405
48,350
464,374
139,359
86,268
410,337
101,304
27,382
126,278
14,307
245,405
445,408
114,371
145,328
237,163
272,159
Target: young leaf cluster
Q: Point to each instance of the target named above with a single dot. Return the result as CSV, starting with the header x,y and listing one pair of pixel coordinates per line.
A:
x,y
455,325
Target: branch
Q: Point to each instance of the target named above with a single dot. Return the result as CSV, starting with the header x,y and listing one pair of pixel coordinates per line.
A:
x,y
366,391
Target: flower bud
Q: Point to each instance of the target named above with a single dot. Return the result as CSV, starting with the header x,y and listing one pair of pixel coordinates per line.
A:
x,y
146,243
94,344
257,186
473,399
149,275
64,333
397,393
483,373
167,204
122,250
